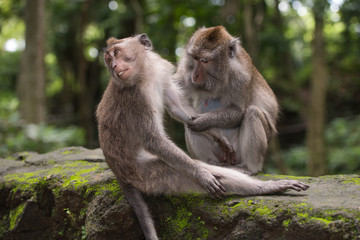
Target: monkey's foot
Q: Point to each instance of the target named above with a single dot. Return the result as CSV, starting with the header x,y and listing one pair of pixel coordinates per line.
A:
x,y
211,184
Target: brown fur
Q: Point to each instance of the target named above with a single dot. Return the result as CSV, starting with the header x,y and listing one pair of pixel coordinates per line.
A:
x,y
246,107
134,142
211,38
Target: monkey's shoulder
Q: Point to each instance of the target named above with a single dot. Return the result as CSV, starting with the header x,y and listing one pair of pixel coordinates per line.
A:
x,y
122,105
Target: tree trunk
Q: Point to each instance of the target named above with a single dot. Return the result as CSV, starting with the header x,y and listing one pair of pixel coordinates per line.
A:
x,y
317,162
250,33
31,81
136,5
86,93
284,53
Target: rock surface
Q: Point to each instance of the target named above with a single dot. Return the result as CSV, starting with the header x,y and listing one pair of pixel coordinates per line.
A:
x,y
72,194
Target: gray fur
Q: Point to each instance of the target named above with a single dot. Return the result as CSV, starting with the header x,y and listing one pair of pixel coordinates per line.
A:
x,y
135,145
245,107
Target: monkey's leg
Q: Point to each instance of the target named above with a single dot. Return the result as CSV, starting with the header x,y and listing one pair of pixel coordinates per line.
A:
x,y
158,178
253,140
141,210
203,147
239,183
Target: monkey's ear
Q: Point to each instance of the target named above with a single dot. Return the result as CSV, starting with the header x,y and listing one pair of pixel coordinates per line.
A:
x,y
233,46
144,40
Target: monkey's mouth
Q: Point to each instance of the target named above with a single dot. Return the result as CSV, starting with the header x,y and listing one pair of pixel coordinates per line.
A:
x,y
121,74
198,85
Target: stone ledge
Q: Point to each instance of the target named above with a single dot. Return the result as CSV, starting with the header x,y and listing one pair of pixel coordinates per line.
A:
x,y
72,194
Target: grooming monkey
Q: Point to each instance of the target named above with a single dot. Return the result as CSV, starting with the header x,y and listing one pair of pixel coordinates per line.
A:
x,y
221,83
135,145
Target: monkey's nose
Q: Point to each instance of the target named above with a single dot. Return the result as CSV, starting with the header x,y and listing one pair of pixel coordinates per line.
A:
x,y
114,66
195,77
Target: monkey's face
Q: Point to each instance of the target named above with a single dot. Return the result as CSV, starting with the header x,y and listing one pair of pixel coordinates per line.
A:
x,y
207,68
208,57
200,68
124,58
119,61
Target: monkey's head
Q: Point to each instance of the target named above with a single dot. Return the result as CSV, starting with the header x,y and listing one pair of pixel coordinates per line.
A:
x,y
209,55
125,58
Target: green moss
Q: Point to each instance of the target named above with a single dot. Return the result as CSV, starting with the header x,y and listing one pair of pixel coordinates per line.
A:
x,y
350,179
265,211
68,151
73,174
286,223
112,186
181,220
322,220
184,223
303,217
354,180
282,177
229,211
15,216
256,209
83,232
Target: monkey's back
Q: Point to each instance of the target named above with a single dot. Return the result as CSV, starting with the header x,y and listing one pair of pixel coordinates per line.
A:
x,y
122,116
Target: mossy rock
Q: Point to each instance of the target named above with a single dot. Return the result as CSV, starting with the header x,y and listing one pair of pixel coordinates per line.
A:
x,y
72,194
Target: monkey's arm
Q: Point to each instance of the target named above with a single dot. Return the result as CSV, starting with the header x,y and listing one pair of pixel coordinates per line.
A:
x,y
183,112
175,107
174,157
227,117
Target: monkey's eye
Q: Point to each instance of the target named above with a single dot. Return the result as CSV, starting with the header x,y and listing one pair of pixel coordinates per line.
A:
x,y
116,52
128,59
203,60
108,59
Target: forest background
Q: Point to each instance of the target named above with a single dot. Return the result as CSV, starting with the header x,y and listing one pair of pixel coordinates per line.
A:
x,y
52,74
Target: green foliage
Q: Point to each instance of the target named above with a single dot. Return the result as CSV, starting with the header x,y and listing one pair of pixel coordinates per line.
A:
x,y
9,66
295,159
16,136
343,138
343,142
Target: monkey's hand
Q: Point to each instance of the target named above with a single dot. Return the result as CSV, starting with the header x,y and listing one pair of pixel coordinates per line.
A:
x,y
282,185
211,183
198,123
229,156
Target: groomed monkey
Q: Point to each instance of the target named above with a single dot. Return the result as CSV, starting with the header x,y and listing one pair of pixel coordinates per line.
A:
x,y
221,83
135,145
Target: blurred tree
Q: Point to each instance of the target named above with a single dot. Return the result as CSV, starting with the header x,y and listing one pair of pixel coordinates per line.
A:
x,y
31,80
253,14
317,162
80,27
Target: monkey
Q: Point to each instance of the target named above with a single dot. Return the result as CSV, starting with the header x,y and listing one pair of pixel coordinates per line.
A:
x,y
134,142
222,84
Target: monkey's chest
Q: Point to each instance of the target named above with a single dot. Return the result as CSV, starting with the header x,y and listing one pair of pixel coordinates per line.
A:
x,y
209,105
